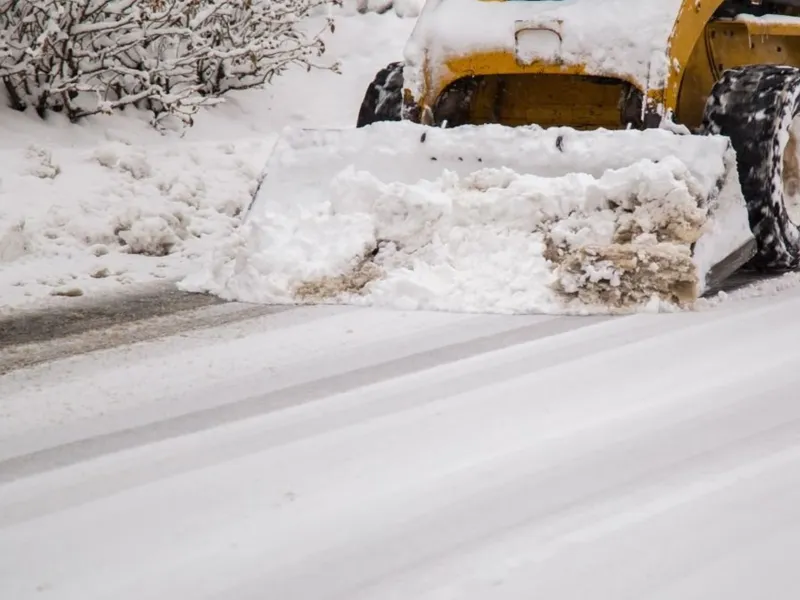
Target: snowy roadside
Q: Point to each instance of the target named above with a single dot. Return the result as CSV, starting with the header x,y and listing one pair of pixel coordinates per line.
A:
x,y
96,207
109,205
92,219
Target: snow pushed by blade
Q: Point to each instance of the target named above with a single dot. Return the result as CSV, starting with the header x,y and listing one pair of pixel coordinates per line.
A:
x,y
484,219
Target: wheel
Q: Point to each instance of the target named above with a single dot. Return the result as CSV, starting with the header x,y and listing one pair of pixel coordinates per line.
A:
x,y
383,100
757,108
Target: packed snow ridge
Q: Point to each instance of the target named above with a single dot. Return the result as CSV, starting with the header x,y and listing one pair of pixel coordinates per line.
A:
x,y
484,219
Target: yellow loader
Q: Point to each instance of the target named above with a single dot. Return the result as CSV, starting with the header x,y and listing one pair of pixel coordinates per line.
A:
x,y
674,120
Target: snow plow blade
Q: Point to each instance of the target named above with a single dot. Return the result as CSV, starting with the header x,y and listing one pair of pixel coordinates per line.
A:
x,y
489,219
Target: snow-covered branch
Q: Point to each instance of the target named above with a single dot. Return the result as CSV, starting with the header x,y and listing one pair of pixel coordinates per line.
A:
x,y
83,57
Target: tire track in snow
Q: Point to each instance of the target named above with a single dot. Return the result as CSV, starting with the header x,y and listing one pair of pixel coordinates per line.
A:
x,y
450,370
613,468
315,389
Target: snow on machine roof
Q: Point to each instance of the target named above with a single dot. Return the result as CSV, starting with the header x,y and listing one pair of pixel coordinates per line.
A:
x,y
625,38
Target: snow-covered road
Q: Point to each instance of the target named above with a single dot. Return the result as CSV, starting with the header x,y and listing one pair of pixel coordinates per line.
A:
x,y
337,452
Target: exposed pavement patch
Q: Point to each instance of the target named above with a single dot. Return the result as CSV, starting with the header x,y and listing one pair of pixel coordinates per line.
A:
x,y
30,337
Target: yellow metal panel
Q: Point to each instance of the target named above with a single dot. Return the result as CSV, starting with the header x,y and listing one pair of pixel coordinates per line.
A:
x,y
438,77
729,44
687,32
537,92
554,93
548,100
493,63
698,77
701,49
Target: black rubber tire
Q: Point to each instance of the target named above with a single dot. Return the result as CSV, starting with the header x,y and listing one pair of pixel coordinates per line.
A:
x,y
383,100
754,106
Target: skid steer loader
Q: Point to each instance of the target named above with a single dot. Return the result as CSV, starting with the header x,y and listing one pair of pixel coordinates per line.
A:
x,y
673,119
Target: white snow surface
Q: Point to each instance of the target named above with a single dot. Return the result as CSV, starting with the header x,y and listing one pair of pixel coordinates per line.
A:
x,y
627,38
119,211
91,207
461,220
768,19
402,8
344,453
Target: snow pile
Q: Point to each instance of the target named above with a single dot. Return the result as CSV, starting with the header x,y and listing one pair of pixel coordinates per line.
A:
x,y
483,219
623,38
69,218
94,206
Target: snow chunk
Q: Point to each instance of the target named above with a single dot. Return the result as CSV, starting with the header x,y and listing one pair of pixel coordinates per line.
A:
x,y
40,163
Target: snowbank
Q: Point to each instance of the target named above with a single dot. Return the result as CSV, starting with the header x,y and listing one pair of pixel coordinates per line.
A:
x,y
484,219
109,202
88,219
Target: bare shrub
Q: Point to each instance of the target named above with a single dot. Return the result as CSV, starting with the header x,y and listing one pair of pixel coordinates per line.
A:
x,y
83,57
